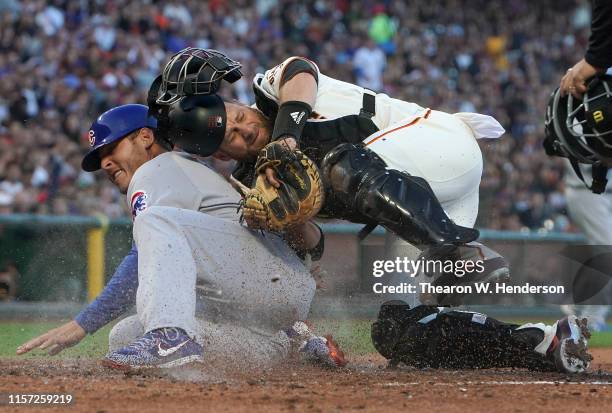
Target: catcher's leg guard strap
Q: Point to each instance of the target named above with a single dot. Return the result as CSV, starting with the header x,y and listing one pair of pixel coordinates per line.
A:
x,y
358,181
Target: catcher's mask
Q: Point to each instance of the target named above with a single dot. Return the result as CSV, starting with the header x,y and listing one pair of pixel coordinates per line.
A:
x,y
194,71
581,130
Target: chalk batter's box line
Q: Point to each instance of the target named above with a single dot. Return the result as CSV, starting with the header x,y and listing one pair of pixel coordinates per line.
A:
x,y
498,383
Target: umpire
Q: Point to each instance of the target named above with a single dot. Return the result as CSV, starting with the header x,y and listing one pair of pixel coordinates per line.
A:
x,y
598,56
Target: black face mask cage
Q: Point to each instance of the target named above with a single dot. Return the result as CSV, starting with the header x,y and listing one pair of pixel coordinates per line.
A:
x,y
195,71
583,128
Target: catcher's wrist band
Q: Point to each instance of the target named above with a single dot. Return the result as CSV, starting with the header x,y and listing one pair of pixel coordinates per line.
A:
x,y
291,119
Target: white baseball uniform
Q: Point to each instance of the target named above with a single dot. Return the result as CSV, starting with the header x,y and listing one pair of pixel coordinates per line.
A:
x,y
188,238
434,145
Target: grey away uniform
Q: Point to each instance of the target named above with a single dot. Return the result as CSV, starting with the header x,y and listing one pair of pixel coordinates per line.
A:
x,y
187,233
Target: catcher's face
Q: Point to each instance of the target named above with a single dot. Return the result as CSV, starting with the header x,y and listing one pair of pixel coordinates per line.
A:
x,y
122,158
247,131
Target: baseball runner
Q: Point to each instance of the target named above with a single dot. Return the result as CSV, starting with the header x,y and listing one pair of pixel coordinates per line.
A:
x,y
187,238
414,170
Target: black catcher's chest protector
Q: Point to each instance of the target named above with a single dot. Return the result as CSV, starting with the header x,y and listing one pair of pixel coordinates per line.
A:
x,y
322,135
319,136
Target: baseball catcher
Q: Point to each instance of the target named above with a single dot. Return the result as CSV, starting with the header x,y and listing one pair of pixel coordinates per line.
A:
x,y
383,161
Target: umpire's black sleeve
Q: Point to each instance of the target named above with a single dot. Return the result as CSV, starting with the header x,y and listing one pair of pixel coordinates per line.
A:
x,y
599,53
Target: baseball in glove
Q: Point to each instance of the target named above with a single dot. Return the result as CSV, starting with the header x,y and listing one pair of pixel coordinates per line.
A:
x,y
299,197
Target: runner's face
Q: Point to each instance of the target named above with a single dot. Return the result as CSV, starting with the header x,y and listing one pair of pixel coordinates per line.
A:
x,y
121,159
247,131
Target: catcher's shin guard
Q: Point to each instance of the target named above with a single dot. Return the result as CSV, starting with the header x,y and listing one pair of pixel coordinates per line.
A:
x,y
360,188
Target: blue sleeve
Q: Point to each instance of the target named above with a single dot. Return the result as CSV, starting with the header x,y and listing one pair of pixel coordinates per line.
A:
x,y
116,298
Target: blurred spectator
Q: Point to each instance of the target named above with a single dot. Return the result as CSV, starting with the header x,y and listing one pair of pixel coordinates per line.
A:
x,y
63,62
9,277
12,185
382,29
369,63
50,19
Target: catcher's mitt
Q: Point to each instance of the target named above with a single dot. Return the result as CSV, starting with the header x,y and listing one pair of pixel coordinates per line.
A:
x,y
298,199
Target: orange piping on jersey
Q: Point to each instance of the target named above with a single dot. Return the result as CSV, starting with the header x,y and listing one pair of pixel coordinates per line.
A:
x,y
400,127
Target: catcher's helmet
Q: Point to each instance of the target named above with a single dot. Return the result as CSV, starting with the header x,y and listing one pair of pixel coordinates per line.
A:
x,y
194,71
194,123
581,129
112,125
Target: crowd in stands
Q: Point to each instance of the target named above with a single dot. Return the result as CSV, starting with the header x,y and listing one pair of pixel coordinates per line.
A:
x,y
63,62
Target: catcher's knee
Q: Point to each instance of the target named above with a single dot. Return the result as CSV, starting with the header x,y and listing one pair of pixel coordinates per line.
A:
x,y
343,170
344,165
124,333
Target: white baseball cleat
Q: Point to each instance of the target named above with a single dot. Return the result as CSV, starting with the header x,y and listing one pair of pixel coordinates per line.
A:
x,y
565,343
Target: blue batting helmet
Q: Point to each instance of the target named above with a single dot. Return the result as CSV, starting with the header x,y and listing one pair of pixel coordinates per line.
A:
x,y
112,125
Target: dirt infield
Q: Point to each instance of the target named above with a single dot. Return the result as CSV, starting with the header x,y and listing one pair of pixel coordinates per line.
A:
x,y
364,386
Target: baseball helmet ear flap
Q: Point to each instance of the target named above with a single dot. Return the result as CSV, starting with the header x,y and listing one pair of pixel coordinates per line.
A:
x,y
197,123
